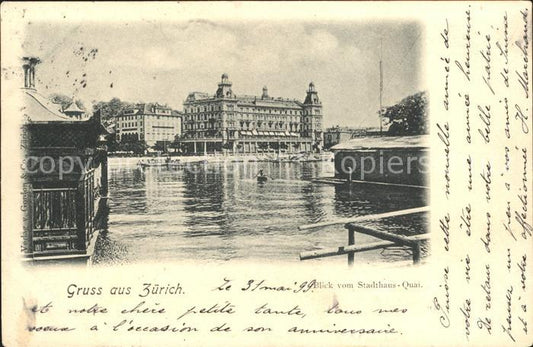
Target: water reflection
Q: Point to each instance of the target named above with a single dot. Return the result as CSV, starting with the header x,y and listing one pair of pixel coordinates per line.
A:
x,y
366,199
218,212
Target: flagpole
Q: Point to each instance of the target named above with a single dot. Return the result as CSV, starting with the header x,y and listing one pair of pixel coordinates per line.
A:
x,y
380,89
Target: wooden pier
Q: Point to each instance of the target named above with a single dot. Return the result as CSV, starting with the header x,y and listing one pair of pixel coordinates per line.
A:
x,y
387,239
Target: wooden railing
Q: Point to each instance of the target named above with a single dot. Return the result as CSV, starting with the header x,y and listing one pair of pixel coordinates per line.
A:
x,y
54,220
62,218
387,239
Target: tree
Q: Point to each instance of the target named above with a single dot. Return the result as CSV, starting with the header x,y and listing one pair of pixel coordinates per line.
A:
x,y
64,101
409,116
137,147
162,146
111,108
131,142
112,143
178,144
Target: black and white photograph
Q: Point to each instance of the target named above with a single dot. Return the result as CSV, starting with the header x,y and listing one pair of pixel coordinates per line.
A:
x,y
228,140
285,173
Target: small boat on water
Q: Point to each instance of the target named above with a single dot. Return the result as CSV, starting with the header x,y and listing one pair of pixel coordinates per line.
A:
x,y
262,179
143,164
159,163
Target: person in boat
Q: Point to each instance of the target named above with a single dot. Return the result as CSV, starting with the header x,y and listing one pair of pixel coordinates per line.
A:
x,y
261,176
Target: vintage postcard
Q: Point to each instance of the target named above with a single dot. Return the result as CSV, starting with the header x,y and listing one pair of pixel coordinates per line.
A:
x,y
266,174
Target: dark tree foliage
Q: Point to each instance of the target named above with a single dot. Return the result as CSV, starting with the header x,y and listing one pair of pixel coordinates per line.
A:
x,y
64,101
111,108
178,144
112,143
132,143
162,146
409,116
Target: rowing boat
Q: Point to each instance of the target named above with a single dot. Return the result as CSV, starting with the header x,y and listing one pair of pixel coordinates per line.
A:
x,y
262,179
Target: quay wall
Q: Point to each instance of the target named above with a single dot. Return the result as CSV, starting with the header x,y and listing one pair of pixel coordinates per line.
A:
x,y
388,165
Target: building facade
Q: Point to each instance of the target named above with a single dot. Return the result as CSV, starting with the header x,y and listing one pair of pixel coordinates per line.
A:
x,y
151,123
225,122
335,135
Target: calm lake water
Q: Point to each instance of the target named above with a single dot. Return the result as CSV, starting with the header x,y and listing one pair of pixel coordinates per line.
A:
x,y
218,212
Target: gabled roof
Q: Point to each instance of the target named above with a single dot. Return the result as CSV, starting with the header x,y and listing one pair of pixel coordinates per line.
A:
x,y
144,108
36,108
73,107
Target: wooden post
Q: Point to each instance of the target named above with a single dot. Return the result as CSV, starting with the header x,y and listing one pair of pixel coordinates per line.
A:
x,y
351,241
81,201
416,252
104,178
345,250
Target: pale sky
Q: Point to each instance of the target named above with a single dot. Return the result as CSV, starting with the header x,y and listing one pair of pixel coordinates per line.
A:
x,y
163,61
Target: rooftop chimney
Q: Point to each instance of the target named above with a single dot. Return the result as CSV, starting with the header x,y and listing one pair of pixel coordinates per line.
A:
x,y
28,65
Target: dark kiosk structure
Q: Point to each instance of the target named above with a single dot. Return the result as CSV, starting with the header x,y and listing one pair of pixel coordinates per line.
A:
x,y
400,160
65,183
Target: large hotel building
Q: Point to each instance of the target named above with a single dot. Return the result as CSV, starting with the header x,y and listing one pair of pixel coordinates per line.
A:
x,y
250,124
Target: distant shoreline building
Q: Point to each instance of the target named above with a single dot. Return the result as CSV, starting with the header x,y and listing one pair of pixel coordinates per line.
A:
x,y
250,124
335,135
149,122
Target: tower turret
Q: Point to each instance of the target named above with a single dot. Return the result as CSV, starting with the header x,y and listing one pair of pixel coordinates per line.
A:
x,y
265,93
313,116
224,88
312,95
